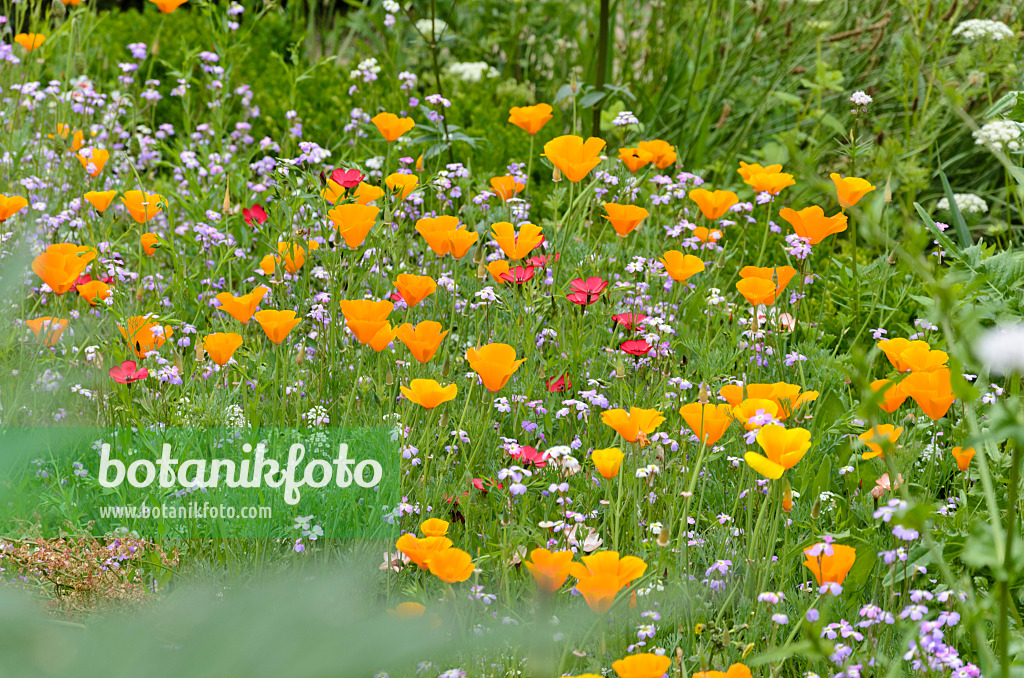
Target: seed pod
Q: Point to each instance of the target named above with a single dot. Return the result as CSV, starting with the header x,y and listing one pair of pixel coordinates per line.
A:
x,y
79,62
58,10
389,378
663,537
135,146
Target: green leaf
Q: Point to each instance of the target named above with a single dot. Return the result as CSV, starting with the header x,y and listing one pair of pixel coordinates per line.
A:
x,y
592,99
1017,113
958,219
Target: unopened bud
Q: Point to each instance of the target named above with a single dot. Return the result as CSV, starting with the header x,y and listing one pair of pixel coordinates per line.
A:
x,y
556,175
58,10
389,378
78,62
703,396
135,146
663,537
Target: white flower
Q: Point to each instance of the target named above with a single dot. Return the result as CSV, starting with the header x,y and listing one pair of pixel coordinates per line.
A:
x,y
1001,349
977,30
967,202
999,135
424,27
472,71
860,99
391,6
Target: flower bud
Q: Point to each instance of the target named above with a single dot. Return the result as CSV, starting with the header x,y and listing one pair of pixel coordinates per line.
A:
x,y
58,10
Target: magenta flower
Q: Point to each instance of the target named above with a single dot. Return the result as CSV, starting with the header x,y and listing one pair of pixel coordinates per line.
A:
x,y
586,292
630,321
347,178
254,214
518,275
128,373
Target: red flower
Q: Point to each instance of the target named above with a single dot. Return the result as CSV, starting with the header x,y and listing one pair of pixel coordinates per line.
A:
x,y
630,321
586,292
85,277
637,347
128,372
542,260
559,384
347,178
527,455
485,485
518,275
254,214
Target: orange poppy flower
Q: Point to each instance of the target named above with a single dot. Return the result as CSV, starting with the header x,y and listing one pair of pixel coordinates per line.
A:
x,y
932,391
516,245
222,346
783,448
142,206
30,41
625,570
624,218
681,267
735,671
428,394
149,241
663,153
963,456
506,187
242,308
437,232
748,170
750,407
607,461
769,182
757,291
414,288
786,396
100,199
60,265
168,6
434,527
642,665
495,363
93,291
892,398
713,204
47,329
451,565
830,569
293,255
422,340
144,335
354,222
367,193
383,338
419,550
599,591
391,126
402,185
409,610
811,223
497,269
913,356
277,324
11,206
709,422
573,156
268,264
780,274
97,161
850,189
366,317
530,119
461,240
886,434
549,570
332,192
630,425
706,235
635,158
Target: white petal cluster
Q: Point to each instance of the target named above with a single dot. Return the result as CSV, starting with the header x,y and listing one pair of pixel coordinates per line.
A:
x,y
967,202
982,30
1000,135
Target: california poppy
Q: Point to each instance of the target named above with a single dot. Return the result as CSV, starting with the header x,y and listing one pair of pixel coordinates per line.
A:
x,y
913,356
757,291
144,335
893,395
886,434
353,222
60,265
607,461
401,185
47,329
383,338
624,218
332,191
391,126
95,162
573,156
460,240
422,340
451,565
769,182
748,170
602,575
963,456
149,241
850,189
9,206
30,41
780,274
93,291
586,292
630,425
437,232
365,317
750,408
242,308
663,154
498,269
735,671
709,422
367,193
530,119
932,391
811,223
506,187
830,563
142,206
222,346
419,550
277,324
434,527
516,245
168,6
642,665
549,570
783,448
428,394
414,288
635,158
293,255
713,204
681,267
707,235
99,199
495,363
786,396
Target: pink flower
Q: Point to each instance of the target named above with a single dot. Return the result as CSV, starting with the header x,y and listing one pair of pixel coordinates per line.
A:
x,y
347,178
586,292
518,275
128,373
630,321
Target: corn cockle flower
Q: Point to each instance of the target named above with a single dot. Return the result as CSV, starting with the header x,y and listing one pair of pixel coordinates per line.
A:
x,y
713,204
414,288
516,245
451,565
518,275
390,126
495,363
783,448
549,570
630,321
635,347
850,190
663,153
624,218
9,206
642,665
222,346
573,156
100,200
811,223
144,335
708,422
127,372
506,187
530,119
47,329
253,216
365,317
61,264
353,222
142,206
428,394
242,308
830,563
681,267
631,425
607,461
277,324
586,292
422,340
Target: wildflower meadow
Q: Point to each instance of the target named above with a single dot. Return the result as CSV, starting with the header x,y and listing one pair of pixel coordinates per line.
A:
x,y
472,339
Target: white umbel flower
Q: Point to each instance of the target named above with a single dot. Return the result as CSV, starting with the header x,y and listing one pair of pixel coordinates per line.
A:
x,y
1000,135
983,30
967,202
